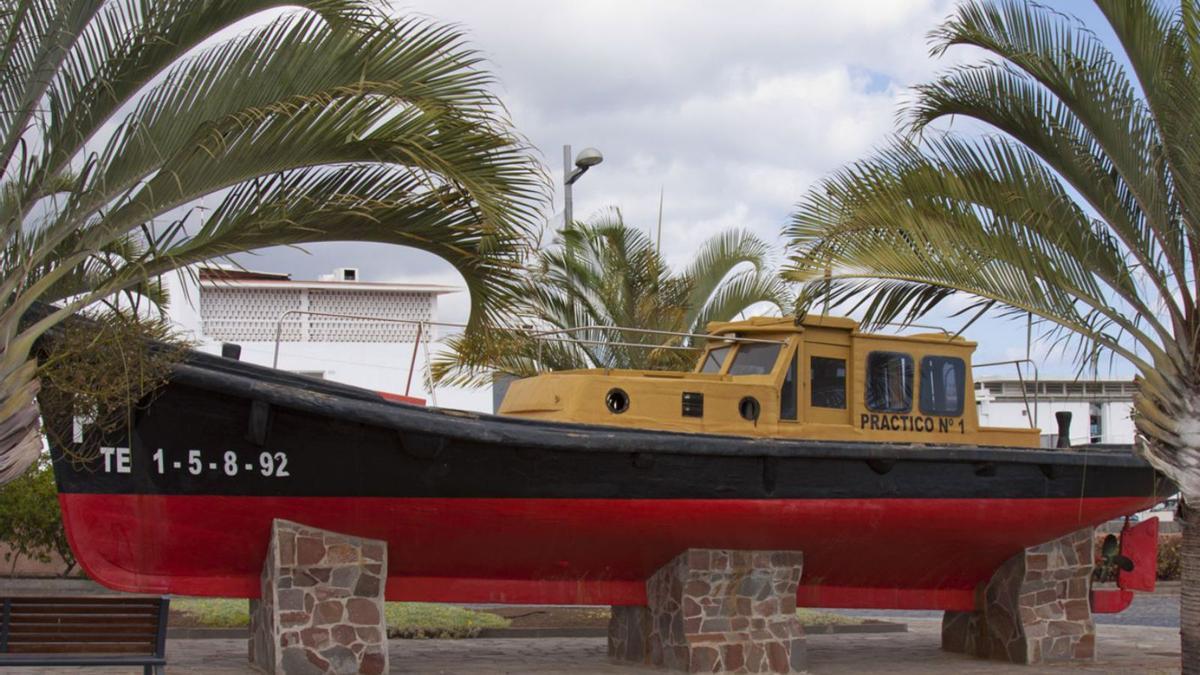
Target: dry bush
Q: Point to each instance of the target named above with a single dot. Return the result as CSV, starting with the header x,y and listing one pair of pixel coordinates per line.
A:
x,y
1168,559
101,370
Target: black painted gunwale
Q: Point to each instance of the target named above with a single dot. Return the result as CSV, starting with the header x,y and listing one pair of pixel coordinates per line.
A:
x,y
349,442
367,407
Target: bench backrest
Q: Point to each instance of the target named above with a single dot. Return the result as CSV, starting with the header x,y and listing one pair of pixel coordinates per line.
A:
x,y
83,625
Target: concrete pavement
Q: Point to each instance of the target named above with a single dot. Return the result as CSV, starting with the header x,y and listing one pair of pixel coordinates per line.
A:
x,y
1121,649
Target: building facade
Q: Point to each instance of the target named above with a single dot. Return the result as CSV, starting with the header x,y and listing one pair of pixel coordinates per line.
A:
x,y
373,335
1100,409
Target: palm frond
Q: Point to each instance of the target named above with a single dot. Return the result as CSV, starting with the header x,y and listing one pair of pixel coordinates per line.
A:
x,y
121,119
600,279
1078,209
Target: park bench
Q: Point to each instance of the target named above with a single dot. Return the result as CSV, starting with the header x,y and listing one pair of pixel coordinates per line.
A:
x,y
84,631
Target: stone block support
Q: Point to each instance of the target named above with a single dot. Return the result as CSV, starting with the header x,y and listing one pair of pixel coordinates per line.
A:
x,y
1034,609
716,611
321,609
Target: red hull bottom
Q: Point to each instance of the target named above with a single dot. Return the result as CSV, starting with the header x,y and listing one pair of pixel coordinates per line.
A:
x,y
882,553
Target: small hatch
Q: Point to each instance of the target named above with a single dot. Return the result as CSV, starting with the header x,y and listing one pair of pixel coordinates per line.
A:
x,y
693,404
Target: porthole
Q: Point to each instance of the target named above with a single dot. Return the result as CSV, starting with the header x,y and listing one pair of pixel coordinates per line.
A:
x,y
617,401
749,408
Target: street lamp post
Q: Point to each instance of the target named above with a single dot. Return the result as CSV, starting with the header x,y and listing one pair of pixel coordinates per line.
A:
x,y
587,158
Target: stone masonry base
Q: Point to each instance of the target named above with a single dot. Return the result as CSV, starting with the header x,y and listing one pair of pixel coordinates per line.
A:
x,y
1035,608
716,611
322,604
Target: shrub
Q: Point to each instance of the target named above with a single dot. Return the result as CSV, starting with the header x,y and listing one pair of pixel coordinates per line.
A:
x,y
1168,557
31,520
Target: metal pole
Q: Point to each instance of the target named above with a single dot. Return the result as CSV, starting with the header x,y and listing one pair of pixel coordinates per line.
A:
x,y
429,372
1028,335
412,365
567,206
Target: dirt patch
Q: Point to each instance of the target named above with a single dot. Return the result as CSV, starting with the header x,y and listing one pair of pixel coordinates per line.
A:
x,y
554,617
597,617
184,620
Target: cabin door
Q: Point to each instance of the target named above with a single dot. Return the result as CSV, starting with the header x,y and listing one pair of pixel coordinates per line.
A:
x,y
826,371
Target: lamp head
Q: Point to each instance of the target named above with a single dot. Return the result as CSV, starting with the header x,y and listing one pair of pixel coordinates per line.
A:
x,y
588,157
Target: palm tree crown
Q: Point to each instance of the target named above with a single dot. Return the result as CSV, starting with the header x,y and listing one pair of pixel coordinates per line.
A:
x,y
603,276
1081,208
1081,211
135,139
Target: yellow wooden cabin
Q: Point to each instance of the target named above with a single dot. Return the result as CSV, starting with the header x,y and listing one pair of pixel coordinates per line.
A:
x,y
816,378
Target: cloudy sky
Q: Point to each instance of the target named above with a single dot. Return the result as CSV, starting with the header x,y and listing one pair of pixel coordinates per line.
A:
x,y
731,110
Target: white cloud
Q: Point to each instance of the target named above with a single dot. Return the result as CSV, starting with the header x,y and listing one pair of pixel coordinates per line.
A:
x,y
733,111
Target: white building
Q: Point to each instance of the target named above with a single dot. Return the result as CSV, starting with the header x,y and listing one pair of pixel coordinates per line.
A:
x,y
1100,409
316,334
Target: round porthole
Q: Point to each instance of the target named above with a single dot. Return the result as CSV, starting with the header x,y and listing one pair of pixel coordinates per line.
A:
x,y
617,401
749,408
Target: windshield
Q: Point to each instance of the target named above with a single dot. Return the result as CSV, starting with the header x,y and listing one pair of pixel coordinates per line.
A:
x,y
714,358
754,359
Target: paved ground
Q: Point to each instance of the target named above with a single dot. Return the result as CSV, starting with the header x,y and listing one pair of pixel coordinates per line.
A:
x,y
1160,609
1122,649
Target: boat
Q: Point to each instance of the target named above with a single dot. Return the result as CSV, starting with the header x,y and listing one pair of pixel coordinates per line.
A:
x,y
861,450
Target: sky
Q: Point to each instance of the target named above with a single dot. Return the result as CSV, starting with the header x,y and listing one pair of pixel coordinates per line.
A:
x,y
729,114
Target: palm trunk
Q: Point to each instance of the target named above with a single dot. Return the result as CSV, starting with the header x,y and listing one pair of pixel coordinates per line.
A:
x,y
1189,600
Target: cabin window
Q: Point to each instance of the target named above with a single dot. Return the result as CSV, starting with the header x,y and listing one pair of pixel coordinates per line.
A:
x,y
942,382
787,396
828,379
889,382
754,359
714,358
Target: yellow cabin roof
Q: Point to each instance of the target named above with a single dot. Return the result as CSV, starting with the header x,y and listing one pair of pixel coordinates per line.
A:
x,y
813,377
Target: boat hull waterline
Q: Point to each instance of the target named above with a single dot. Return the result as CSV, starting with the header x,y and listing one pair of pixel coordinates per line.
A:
x,y
477,508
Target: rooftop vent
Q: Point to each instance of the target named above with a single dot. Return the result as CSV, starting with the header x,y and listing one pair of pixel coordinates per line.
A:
x,y
342,274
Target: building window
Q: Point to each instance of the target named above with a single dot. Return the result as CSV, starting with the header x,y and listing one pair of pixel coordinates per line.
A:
x,y
942,381
889,382
754,359
787,396
828,379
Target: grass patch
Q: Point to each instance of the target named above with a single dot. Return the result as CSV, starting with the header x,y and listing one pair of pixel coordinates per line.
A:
x,y
213,612
811,617
404,619
423,620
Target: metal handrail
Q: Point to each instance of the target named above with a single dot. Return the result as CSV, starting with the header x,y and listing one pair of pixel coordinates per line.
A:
x,y
651,331
1033,418
421,327
924,326
541,337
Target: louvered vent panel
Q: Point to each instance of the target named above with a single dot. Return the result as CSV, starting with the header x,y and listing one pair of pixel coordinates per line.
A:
x,y
408,306
249,314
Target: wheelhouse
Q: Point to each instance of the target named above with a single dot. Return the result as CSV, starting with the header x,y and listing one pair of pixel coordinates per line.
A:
x,y
817,378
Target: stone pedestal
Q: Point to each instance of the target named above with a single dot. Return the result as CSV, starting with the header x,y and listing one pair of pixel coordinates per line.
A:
x,y
322,604
1034,609
714,611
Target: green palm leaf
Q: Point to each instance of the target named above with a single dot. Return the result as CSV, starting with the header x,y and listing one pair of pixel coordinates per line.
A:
x,y
331,121
1079,209
602,277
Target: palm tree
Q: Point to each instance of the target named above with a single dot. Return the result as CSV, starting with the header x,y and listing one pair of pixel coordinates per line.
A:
x,y
607,275
1082,208
138,137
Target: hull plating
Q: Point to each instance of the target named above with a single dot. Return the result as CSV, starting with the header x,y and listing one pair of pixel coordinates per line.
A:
x,y
484,509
